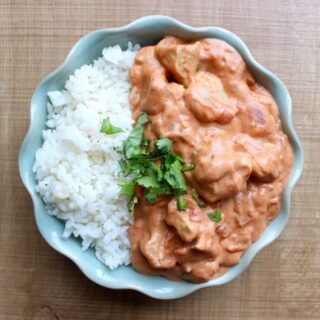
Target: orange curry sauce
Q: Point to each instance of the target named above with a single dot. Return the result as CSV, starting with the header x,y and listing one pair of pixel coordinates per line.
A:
x,y
201,95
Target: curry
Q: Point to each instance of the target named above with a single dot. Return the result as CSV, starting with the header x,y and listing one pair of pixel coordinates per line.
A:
x,y
202,97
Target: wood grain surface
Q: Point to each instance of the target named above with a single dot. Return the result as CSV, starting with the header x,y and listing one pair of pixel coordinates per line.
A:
x,y
36,282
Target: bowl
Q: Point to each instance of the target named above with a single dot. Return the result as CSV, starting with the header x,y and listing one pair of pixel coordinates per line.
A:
x,y
145,31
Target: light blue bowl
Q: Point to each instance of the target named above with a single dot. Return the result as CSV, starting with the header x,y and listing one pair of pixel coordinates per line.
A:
x,y
146,31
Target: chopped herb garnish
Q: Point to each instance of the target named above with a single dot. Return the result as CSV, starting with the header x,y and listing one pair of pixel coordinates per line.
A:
x,y
181,203
124,167
150,196
145,142
163,177
215,216
132,203
109,128
148,182
127,188
163,145
175,178
188,168
196,197
131,147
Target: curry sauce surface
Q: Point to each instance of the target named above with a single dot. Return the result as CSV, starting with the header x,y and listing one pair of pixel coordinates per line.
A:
x,y
201,96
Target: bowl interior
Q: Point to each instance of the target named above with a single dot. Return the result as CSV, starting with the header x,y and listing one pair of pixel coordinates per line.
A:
x,y
146,31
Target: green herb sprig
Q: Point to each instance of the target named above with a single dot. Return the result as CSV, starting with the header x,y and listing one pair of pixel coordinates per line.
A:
x,y
164,177
196,197
215,216
108,128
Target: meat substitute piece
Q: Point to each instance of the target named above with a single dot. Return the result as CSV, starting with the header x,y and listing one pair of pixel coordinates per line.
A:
x,y
201,95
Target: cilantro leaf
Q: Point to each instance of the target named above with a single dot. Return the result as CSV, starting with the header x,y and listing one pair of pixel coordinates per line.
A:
x,y
170,158
145,142
143,119
125,169
155,171
148,182
131,147
181,203
108,128
132,204
196,197
175,178
215,216
150,196
188,168
176,157
163,145
127,188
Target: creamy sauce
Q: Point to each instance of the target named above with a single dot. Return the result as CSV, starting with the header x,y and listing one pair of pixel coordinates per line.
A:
x,y
201,96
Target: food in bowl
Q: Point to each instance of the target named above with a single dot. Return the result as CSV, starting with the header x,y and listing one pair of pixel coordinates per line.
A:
x,y
203,168
77,165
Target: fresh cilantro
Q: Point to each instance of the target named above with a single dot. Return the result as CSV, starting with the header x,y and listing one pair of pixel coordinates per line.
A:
x,y
196,197
132,203
188,168
176,157
215,216
109,128
181,203
175,178
124,167
145,142
170,158
131,147
156,171
163,145
159,171
150,196
142,120
148,182
127,188
137,167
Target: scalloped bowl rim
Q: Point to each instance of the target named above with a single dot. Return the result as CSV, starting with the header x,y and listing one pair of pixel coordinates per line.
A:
x,y
163,288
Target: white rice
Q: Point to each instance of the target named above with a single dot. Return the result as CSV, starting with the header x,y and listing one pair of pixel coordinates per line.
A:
x,y
77,165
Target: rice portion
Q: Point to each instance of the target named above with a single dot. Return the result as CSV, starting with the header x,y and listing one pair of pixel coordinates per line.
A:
x,y
77,165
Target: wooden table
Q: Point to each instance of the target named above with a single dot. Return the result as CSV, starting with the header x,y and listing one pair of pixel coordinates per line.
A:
x,y
36,282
